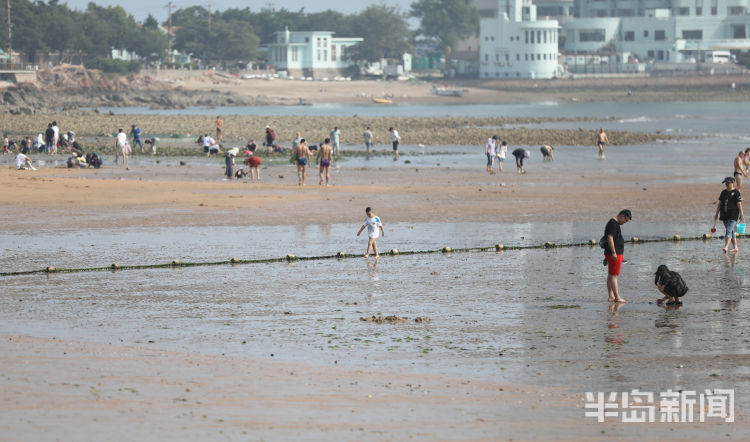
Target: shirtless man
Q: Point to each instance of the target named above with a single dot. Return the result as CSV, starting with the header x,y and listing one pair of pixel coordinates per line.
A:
x,y
219,129
301,158
601,140
738,170
323,157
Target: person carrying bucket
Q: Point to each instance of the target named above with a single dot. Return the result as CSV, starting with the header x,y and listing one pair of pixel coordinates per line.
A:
x,y
729,210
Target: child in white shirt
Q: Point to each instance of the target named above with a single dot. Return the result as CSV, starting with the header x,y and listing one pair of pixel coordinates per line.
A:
x,y
372,223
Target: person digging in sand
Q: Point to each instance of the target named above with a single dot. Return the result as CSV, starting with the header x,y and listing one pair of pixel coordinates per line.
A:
x,y
670,284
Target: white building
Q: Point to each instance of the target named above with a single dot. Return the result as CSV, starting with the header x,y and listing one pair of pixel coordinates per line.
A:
x,y
514,44
659,30
310,54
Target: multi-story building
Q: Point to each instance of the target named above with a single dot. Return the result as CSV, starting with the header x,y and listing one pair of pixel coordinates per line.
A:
x,y
513,43
310,54
659,30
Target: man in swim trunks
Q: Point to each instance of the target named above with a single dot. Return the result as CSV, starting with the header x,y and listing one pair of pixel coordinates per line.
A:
x,y
301,158
323,157
613,252
738,171
601,140
219,129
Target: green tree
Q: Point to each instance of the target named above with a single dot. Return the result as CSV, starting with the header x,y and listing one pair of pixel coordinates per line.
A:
x,y
385,32
447,21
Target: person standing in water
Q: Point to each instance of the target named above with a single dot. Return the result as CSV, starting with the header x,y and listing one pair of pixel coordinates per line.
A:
x,y
615,246
323,157
502,151
368,139
372,223
728,210
520,154
601,140
396,139
489,150
301,158
739,172
219,129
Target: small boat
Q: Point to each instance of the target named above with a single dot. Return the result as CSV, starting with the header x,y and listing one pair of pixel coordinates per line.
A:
x,y
382,100
446,92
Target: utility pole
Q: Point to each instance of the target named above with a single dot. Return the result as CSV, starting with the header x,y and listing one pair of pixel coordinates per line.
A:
x,y
169,34
209,18
10,41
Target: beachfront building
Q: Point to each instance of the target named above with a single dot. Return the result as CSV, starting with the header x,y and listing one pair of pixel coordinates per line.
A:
x,y
314,54
658,30
514,44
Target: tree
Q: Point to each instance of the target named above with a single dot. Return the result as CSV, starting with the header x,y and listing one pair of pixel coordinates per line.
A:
x,y
447,21
385,32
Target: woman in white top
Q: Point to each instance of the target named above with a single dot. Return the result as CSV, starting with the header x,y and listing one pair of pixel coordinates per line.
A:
x,y
502,151
489,150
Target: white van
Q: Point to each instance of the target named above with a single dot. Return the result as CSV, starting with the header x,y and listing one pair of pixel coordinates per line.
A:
x,y
717,57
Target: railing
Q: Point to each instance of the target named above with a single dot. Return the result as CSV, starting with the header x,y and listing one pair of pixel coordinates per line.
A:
x,y
19,67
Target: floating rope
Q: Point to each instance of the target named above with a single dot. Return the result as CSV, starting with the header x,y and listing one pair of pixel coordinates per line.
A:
x,y
341,255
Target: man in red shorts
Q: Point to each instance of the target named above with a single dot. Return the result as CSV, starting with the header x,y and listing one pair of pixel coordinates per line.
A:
x,y
613,252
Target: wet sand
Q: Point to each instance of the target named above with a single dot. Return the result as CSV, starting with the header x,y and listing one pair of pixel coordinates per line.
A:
x,y
59,383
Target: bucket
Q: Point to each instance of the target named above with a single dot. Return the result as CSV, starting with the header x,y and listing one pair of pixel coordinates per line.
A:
x,y
741,228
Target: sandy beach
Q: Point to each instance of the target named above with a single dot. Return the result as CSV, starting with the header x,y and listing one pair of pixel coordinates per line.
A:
x,y
279,352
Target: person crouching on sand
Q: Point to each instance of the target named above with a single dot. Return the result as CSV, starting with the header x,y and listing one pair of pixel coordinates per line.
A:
x,y
372,223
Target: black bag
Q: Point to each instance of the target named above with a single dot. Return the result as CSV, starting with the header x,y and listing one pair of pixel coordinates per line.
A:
x,y
603,243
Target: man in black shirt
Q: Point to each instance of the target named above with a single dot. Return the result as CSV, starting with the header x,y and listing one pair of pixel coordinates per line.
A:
x,y
613,252
728,210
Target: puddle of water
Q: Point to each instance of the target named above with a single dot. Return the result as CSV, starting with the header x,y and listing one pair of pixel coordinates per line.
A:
x,y
533,316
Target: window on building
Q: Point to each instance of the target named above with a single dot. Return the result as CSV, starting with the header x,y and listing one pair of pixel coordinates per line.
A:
x,y
318,41
486,38
544,35
307,39
527,37
698,11
659,36
526,57
486,57
739,31
342,56
506,74
736,10
333,53
532,37
518,57
497,74
682,11
591,35
325,54
492,38
645,34
660,55
325,42
538,56
601,13
507,57
696,34
629,35
714,10
650,54
295,54
538,36
544,57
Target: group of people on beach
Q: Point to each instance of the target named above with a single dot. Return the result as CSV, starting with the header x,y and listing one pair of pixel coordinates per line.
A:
x,y
497,151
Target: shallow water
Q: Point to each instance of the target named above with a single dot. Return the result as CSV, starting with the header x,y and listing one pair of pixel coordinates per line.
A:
x,y
532,316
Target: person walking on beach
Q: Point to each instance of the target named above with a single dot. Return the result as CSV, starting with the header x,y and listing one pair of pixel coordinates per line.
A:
x,y
601,140
121,145
520,154
335,135
502,152
396,139
219,129
368,139
739,171
301,158
615,245
135,131
728,210
489,150
323,157
374,229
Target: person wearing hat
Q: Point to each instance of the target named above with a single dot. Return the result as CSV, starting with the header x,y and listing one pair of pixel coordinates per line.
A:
x,y
729,210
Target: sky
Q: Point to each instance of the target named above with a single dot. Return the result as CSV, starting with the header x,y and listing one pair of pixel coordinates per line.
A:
x,y
158,8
